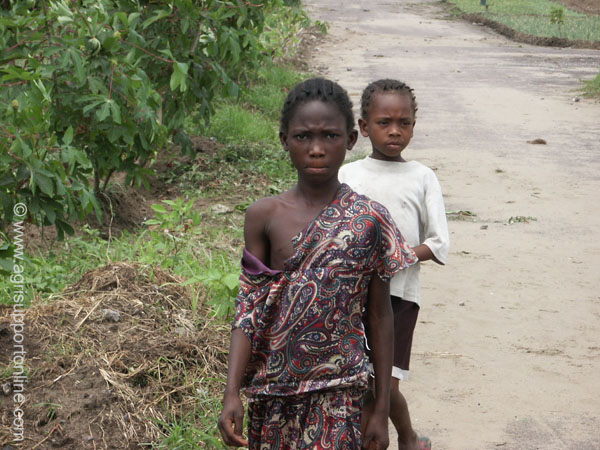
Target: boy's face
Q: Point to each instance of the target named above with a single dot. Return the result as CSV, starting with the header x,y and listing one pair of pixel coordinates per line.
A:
x,y
317,140
389,125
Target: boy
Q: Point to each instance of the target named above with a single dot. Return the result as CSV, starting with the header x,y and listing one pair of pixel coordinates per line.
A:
x,y
412,194
316,256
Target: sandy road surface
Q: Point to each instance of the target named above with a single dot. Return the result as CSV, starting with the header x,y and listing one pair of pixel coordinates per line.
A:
x,y
507,351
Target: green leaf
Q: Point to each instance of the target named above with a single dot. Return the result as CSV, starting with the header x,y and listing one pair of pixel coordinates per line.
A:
x,y
63,20
44,183
231,280
178,78
63,227
6,180
104,111
92,105
6,265
160,14
122,17
116,112
68,136
159,208
50,213
133,18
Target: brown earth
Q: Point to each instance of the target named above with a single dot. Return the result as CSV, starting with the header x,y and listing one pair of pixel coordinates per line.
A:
x,y
584,6
111,359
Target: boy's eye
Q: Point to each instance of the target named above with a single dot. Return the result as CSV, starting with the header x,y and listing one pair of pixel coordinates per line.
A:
x,y
332,135
301,136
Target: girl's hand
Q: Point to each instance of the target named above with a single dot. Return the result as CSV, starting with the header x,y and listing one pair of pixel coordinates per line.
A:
x,y
231,421
376,435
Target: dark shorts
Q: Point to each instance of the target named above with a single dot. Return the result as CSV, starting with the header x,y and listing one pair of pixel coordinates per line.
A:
x,y
405,319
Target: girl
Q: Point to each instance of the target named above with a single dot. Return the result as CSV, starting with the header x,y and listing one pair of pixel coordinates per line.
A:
x,y
315,258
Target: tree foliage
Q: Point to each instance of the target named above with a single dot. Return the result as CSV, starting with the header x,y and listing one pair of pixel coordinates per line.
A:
x,y
93,87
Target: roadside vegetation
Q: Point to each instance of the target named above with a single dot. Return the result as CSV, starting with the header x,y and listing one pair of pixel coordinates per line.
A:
x,y
591,88
541,18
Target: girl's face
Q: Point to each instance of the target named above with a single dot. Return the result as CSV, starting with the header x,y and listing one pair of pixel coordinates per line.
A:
x,y
389,124
317,139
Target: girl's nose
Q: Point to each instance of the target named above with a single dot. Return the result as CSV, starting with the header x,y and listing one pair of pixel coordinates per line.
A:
x,y
316,148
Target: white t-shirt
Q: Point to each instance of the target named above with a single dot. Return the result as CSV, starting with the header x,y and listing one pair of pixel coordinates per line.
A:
x,y
412,194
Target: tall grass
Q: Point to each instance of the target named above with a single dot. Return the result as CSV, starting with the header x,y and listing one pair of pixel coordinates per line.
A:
x,y
533,17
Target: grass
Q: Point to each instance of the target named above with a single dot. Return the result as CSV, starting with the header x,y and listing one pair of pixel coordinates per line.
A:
x,y
534,17
591,88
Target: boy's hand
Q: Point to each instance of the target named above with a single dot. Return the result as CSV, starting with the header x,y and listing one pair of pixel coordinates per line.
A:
x,y
376,435
231,421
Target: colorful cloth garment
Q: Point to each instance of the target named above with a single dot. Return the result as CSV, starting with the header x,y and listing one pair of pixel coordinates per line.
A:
x,y
305,322
315,421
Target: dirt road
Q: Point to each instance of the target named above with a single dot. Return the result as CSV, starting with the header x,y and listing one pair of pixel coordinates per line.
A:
x,y
507,349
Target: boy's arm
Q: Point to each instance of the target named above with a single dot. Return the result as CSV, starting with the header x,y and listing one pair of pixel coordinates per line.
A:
x,y
232,415
381,339
435,236
424,253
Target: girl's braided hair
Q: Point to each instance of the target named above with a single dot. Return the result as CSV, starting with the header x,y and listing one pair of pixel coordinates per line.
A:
x,y
321,89
384,86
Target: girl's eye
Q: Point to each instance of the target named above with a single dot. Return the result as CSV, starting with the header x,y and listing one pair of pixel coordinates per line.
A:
x,y
332,135
301,137
382,122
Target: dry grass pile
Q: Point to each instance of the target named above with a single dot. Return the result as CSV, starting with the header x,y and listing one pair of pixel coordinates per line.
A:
x,y
116,355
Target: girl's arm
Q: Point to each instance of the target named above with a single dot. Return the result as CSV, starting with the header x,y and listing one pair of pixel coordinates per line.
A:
x,y
231,420
381,339
232,415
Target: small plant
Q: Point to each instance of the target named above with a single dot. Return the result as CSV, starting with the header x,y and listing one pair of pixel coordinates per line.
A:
x,y
51,409
221,280
557,17
178,219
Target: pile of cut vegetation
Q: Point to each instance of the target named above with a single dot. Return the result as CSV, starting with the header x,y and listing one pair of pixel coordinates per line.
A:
x,y
117,356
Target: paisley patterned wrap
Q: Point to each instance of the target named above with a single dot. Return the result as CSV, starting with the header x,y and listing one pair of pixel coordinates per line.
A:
x,y
317,420
305,322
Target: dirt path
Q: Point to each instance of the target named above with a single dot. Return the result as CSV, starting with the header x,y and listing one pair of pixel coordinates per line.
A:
x,y
507,351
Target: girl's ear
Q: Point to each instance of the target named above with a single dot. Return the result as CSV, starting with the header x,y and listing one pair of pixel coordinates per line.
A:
x,y
362,124
352,138
283,140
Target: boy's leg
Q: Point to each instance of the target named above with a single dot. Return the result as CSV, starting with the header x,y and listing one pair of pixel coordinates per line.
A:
x,y
405,319
400,417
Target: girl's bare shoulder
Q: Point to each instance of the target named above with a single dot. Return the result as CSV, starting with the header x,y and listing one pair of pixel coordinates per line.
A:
x,y
265,207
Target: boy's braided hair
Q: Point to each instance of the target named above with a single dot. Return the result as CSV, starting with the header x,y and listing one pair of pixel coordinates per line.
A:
x,y
384,86
321,89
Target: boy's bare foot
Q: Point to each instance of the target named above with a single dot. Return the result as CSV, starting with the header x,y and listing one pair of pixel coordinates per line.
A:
x,y
417,443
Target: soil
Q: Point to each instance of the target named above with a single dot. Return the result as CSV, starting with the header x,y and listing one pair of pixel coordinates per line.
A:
x,y
505,354
104,353
583,6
